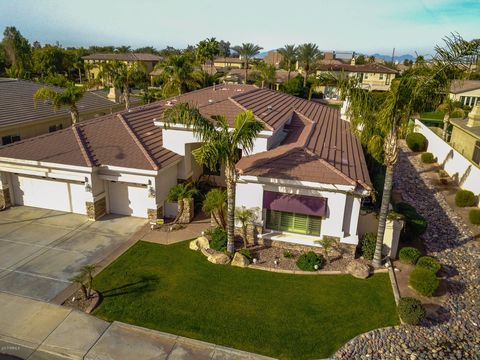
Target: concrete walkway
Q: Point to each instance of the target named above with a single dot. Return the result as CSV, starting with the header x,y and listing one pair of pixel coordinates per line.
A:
x,y
35,330
190,231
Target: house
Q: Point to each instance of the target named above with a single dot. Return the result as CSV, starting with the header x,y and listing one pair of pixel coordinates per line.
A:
x,y
466,135
465,91
306,175
273,58
228,62
94,61
21,118
237,76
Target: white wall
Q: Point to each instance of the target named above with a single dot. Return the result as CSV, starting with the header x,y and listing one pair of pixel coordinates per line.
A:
x,y
456,165
163,183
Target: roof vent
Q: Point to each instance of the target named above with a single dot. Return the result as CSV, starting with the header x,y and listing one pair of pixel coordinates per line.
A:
x,y
210,101
168,103
269,107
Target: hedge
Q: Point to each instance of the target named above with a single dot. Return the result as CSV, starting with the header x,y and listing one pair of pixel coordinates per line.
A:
x,y
409,255
464,198
474,216
307,262
417,142
428,158
429,263
410,310
367,245
424,281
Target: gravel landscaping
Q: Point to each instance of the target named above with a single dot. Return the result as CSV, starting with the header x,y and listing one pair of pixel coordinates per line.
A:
x,y
453,331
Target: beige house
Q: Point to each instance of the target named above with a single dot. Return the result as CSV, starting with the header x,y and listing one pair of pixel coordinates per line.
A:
x,y
466,135
228,62
465,91
21,119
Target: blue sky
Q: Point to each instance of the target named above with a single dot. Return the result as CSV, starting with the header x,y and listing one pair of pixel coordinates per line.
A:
x,y
362,25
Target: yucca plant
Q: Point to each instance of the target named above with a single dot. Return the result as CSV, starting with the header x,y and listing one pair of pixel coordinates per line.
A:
x,y
245,216
215,204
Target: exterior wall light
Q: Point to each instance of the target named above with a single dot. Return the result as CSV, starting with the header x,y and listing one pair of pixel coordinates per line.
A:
x,y
88,187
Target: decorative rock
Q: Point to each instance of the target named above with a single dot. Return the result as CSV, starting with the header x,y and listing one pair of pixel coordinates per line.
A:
x,y
358,269
219,258
199,243
240,260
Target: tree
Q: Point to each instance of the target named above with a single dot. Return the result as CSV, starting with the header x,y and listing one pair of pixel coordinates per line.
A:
x,y
85,279
122,75
360,60
247,51
448,106
178,75
308,55
377,122
123,49
179,193
224,48
207,50
215,204
245,216
17,50
266,74
221,146
371,59
289,54
69,97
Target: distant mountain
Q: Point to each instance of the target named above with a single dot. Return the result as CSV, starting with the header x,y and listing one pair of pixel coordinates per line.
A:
x,y
400,58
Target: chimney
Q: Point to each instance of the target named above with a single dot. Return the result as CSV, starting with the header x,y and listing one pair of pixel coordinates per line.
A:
x,y
474,117
352,62
114,95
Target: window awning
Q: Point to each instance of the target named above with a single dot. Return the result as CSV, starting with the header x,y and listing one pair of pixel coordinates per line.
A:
x,y
300,204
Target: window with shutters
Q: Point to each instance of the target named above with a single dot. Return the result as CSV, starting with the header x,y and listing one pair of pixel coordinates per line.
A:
x,y
293,222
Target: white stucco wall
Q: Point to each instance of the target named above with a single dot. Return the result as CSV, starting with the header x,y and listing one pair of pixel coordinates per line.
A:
x,y
456,165
163,183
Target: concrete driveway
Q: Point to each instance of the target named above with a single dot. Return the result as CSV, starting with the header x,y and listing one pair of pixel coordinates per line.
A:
x,y
40,250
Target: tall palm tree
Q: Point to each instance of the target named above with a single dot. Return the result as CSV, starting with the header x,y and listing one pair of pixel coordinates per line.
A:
x,y
122,75
215,204
308,55
289,54
69,97
220,145
179,193
448,106
247,51
178,75
267,74
377,122
207,50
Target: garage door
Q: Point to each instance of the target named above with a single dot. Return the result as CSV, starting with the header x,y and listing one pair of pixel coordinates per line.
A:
x,y
49,194
128,199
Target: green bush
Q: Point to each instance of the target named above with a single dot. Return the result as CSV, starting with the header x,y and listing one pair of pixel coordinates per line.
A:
x,y
417,142
367,245
410,310
424,281
428,158
474,216
247,253
219,239
415,224
409,255
288,254
464,198
307,262
429,263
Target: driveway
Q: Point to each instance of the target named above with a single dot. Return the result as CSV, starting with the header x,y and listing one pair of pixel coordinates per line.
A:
x,y
40,250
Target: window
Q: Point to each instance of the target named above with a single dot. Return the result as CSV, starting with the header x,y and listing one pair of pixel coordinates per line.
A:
x,y
10,139
365,76
476,153
387,81
462,100
292,222
381,76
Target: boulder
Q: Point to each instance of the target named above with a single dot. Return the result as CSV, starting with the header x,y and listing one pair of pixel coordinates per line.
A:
x,y
358,269
219,258
199,243
240,260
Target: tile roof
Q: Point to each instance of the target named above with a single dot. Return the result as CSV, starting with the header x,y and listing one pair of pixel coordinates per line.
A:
x,y
365,68
460,86
17,105
319,146
123,57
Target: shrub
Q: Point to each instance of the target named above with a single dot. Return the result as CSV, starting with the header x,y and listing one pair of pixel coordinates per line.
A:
x,y
417,142
423,281
307,262
464,198
409,255
247,253
428,158
415,224
219,239
288,254
429,263
410,310
367,245
474,216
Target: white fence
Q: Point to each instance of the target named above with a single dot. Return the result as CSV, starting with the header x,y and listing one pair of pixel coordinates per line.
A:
x,y
455,164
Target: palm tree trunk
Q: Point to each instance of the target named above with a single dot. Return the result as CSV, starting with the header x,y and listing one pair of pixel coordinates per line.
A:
x,y
289,70
180,211
230,179
305,78
127,97
246,70
74,114
446,122
244,233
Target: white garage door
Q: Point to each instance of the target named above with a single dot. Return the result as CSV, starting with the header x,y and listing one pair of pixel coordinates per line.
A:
x,y
49,194
128,199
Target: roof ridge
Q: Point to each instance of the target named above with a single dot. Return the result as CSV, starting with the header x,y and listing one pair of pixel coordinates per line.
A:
x,y
83,147
138,142
245,109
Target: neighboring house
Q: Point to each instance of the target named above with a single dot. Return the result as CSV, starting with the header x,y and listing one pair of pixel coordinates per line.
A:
x,y
466,91
273,58
306,175
228,62
237,76
466,135
94,61
21,119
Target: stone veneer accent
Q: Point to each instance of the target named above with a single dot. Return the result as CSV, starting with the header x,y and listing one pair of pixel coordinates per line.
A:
x,y
155,214
5,201
188,212
95,210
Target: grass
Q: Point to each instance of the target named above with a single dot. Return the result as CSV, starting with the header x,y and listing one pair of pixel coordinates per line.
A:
x,y
434,115
173,289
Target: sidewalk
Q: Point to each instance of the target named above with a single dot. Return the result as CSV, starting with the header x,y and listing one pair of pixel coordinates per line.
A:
x,y
34,330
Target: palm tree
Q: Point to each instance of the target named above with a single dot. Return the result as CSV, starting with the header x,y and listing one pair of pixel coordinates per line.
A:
x,y
308,55
220,146
289,54
178,75
85,279
122,75
245,216
207,50
266,73
377,122
448,106
215,204
179,193
69,97
246,52
327,243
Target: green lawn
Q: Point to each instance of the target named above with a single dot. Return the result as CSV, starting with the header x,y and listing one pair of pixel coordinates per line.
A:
x,y
173,289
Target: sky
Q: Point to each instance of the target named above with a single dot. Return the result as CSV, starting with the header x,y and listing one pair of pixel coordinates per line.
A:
x,y
366,26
